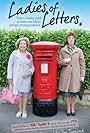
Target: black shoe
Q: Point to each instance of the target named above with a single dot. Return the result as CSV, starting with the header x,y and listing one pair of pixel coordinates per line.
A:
x,y
73,113
68,114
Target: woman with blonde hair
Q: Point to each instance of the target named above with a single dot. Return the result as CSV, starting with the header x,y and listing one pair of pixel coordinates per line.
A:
x,y
19,72
72,72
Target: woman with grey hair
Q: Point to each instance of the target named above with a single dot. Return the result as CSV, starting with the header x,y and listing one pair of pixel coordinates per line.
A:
x,y
19,72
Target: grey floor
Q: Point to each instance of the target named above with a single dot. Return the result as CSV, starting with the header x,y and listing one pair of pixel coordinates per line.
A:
x,y
7,117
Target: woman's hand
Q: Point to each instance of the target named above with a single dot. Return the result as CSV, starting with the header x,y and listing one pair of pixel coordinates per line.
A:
x,y
10,82
82,79
25,76
67,60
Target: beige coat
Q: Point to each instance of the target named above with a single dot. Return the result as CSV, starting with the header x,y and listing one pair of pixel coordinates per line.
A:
x,y
71,73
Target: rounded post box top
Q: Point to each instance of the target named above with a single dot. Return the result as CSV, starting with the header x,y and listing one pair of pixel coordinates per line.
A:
x,y
45,45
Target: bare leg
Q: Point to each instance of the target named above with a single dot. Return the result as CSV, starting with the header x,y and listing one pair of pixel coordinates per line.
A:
x,y
24,104
73,102
20,104
30,99
19,113
68,103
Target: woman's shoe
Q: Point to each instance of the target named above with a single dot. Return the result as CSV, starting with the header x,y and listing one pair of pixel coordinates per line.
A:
x,y
68,114
24,115
18,114
73,113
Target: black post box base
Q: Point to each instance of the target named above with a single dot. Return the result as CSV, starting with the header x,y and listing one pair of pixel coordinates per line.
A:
x,y
45,108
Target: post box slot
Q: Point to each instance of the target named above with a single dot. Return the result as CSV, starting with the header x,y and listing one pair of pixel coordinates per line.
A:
x,y
44,56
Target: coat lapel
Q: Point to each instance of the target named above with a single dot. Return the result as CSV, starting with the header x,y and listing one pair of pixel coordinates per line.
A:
x,y
74,51
21,58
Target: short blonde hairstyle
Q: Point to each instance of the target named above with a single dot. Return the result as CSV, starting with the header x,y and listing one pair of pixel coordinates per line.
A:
x,y
21,39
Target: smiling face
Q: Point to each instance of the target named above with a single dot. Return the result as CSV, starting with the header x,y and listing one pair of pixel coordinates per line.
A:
x,y
23,45
71,40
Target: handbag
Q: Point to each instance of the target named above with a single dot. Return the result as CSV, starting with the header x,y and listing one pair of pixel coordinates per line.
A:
x,y
81,91
7,95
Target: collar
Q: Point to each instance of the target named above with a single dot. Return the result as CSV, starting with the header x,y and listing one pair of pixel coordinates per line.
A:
x,y
75,49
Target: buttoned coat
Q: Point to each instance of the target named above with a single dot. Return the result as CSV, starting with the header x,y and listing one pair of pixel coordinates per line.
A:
x,y
19,65
71,72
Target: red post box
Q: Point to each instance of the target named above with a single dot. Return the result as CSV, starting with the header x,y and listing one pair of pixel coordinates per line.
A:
x,y
45,78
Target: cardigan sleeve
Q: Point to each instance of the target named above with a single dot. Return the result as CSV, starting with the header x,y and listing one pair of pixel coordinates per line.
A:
x,y
31,70
10,66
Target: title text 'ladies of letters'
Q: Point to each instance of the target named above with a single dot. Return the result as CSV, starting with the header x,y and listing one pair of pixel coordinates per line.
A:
x,y
53,13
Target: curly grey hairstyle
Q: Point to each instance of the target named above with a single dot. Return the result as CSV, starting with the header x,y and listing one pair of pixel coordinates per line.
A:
x,y
21,39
